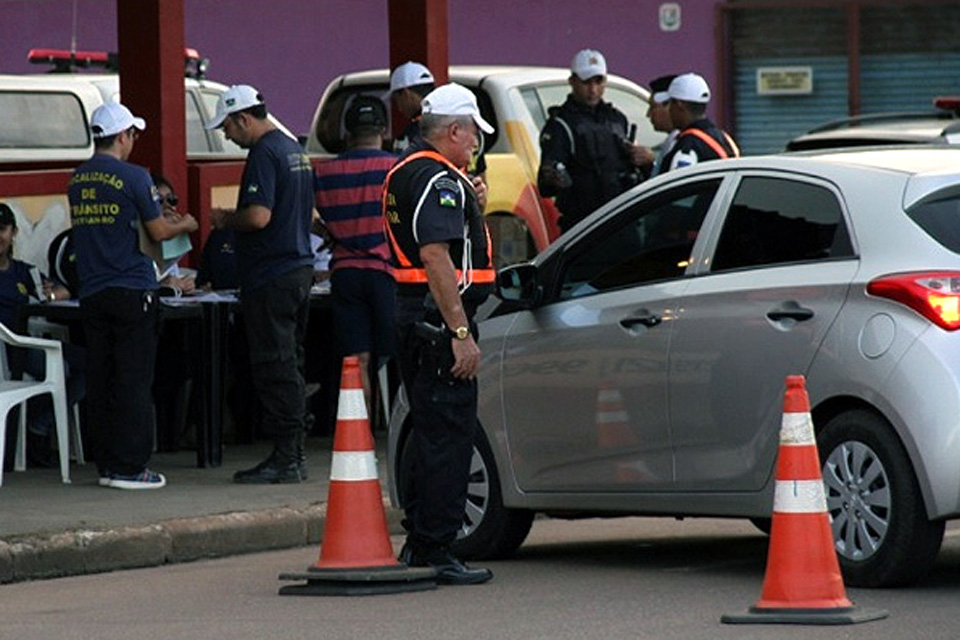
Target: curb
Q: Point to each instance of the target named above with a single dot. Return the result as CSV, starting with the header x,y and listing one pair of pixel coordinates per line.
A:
x,y
83,552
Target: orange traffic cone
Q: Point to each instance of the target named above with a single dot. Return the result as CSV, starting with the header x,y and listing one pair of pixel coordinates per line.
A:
x,y
803,584
356,556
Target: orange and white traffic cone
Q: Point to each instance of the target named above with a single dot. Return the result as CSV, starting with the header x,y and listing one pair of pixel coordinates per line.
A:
x,y
356,556
803,584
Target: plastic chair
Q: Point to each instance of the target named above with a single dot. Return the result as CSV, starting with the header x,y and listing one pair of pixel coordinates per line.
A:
x,y
16,392
40,327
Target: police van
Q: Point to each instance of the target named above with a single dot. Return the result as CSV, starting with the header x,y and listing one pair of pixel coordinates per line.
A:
x,y
45,125
46,116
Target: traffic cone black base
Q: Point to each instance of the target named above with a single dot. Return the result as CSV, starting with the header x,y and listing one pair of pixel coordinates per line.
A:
x,y
360,582
832,616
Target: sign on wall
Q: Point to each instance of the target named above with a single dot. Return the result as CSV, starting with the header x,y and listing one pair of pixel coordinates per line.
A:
x,y
670,16
784,81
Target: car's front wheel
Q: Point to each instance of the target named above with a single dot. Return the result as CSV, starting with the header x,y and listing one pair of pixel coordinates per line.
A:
x,y
880,527
489,529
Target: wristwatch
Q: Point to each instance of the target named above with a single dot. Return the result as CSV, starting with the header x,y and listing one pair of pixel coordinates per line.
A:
x,y
461,333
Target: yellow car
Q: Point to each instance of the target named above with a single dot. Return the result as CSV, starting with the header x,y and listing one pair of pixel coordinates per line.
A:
x,y
514,100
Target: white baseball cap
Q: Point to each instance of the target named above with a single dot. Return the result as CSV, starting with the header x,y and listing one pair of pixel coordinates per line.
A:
x,y
588,63
661,97
455,100
236,98
409,74
111,118
689,87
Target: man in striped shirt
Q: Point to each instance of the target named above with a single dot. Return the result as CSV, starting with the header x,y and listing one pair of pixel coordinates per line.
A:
x,y
348,191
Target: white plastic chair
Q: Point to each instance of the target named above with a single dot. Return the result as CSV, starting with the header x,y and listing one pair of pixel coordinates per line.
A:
x,y
40,327
15,392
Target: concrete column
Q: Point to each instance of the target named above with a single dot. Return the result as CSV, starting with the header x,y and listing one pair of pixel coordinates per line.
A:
x,y
152,61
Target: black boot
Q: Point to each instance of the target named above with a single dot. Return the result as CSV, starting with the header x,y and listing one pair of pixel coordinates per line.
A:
x,y
281,467
302,455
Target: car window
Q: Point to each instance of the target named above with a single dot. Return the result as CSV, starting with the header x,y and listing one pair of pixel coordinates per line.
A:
x,y
196,136
540,98
531,99
487,112
651,240
210,106
330,132
775,221
941,220
552,95
42,120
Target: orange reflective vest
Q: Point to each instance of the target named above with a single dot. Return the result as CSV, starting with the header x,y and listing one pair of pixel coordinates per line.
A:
x,y
713,144
405,272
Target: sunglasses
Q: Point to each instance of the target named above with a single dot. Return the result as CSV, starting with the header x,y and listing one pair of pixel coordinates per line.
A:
x,y
170,199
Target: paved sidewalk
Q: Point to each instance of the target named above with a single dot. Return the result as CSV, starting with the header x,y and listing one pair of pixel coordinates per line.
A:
x,y
49,529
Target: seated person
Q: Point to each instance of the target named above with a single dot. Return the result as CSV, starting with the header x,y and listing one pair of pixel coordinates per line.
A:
x,y
169,274
19,282
218,261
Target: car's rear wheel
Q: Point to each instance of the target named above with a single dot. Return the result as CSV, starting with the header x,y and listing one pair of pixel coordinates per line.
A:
x,y
489,529
880,527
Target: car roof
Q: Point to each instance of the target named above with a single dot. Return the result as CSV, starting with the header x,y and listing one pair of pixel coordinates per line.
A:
x,y
890,128
474,75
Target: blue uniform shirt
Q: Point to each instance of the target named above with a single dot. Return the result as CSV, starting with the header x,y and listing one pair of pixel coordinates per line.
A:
x,y
108,197
278,176
16,288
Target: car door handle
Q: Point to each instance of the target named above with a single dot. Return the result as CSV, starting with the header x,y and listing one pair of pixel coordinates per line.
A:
x,y
790,312
646,319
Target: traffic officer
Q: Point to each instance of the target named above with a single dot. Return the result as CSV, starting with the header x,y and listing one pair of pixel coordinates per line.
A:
x,y
698,139
441,255
587,154
110,199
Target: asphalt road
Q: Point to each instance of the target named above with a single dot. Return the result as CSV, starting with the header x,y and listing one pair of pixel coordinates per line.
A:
x,y
625,578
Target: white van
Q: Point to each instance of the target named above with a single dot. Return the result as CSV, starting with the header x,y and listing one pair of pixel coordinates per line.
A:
x,y
46,116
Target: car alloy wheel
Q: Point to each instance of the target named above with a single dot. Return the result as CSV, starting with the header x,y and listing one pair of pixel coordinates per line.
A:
x,y
881,531
478,495
858,499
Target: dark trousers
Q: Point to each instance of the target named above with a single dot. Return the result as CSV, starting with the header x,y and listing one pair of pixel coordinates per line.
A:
x,y
444,414
121,331
276,317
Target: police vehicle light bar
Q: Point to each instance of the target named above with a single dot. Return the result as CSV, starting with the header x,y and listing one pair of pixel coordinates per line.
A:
x,y
65,61
947,103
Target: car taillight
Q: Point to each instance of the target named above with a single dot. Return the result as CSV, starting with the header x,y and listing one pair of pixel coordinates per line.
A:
x,y
933,294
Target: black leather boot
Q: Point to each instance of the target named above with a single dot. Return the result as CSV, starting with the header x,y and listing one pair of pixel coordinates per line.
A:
x,y
281,467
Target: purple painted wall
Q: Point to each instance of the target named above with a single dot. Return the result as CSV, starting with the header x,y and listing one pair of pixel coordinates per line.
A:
x,y
290,49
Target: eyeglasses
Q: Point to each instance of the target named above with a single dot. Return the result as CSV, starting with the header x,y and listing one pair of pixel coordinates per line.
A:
x,y
171,199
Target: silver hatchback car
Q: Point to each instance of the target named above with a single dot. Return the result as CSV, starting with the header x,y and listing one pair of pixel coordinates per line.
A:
x,y
637,365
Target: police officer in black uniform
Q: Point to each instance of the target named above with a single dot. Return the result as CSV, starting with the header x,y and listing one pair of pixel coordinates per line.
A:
x,y
698,139
443,269
587,155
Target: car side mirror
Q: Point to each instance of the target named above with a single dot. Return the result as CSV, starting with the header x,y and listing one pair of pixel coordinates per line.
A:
x,y
518,285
